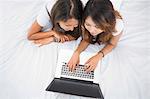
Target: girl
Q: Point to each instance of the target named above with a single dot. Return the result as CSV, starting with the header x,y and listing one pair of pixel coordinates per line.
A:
x,y
103,25
63,21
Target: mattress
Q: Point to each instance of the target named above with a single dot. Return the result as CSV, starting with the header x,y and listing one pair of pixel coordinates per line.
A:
x,y
26,69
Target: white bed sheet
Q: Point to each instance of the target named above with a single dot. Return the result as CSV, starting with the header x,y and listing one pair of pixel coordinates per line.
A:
x,y
26,70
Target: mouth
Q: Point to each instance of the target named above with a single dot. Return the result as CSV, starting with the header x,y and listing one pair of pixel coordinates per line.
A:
x,y
93,34
66,30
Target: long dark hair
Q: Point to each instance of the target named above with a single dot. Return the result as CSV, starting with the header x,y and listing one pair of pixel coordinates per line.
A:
x,y
64,10
104,16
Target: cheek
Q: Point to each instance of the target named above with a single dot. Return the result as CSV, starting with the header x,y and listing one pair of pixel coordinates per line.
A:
x,y
62,26
99,31
86,27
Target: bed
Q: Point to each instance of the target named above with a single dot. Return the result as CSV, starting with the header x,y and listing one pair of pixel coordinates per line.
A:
x,y
26,69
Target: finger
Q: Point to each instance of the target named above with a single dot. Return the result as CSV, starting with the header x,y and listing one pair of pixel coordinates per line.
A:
x,y
66,38
41,41
87,66
93,68
36,42
70,66
40,45
89,69
73,67
58,39
77,64
61,40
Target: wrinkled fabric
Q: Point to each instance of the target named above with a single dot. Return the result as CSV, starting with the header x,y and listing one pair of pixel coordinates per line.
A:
x,y
26,70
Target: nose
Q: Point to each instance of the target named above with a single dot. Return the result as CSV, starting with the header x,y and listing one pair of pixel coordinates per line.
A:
x,y
92,31
71,28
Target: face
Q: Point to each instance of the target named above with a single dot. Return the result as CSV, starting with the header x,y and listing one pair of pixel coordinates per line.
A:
x,y
69,25
92,27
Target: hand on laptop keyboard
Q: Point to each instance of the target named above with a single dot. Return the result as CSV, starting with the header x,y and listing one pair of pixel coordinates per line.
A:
x,y
73,61
78,72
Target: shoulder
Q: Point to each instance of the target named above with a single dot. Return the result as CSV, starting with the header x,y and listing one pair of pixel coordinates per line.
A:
x,y
43,17
119,27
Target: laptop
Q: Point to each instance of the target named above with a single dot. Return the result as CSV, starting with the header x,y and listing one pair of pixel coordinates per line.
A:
x,y
78,82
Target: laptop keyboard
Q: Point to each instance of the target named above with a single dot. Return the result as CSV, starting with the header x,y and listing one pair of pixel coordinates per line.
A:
x,y
78,72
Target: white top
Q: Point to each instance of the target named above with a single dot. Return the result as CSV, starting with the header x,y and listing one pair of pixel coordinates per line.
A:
x,y
44,20
119,27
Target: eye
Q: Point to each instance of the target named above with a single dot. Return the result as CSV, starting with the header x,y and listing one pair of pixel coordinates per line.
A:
x,y
97,27
67,25
87,24
76,26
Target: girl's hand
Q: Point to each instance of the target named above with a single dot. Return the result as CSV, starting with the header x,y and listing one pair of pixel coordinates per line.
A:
x,y
60,37
64,38
74,61
44,41
91,64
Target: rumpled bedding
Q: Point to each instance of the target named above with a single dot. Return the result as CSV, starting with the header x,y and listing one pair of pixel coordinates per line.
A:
x,y
26,69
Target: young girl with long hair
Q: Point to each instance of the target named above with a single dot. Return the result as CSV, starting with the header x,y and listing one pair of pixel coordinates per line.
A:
x,y
103,25
61,20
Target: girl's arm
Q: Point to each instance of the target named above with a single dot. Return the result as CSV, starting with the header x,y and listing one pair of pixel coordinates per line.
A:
x,y
82,46
35,33
109,46
75,57
93,61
